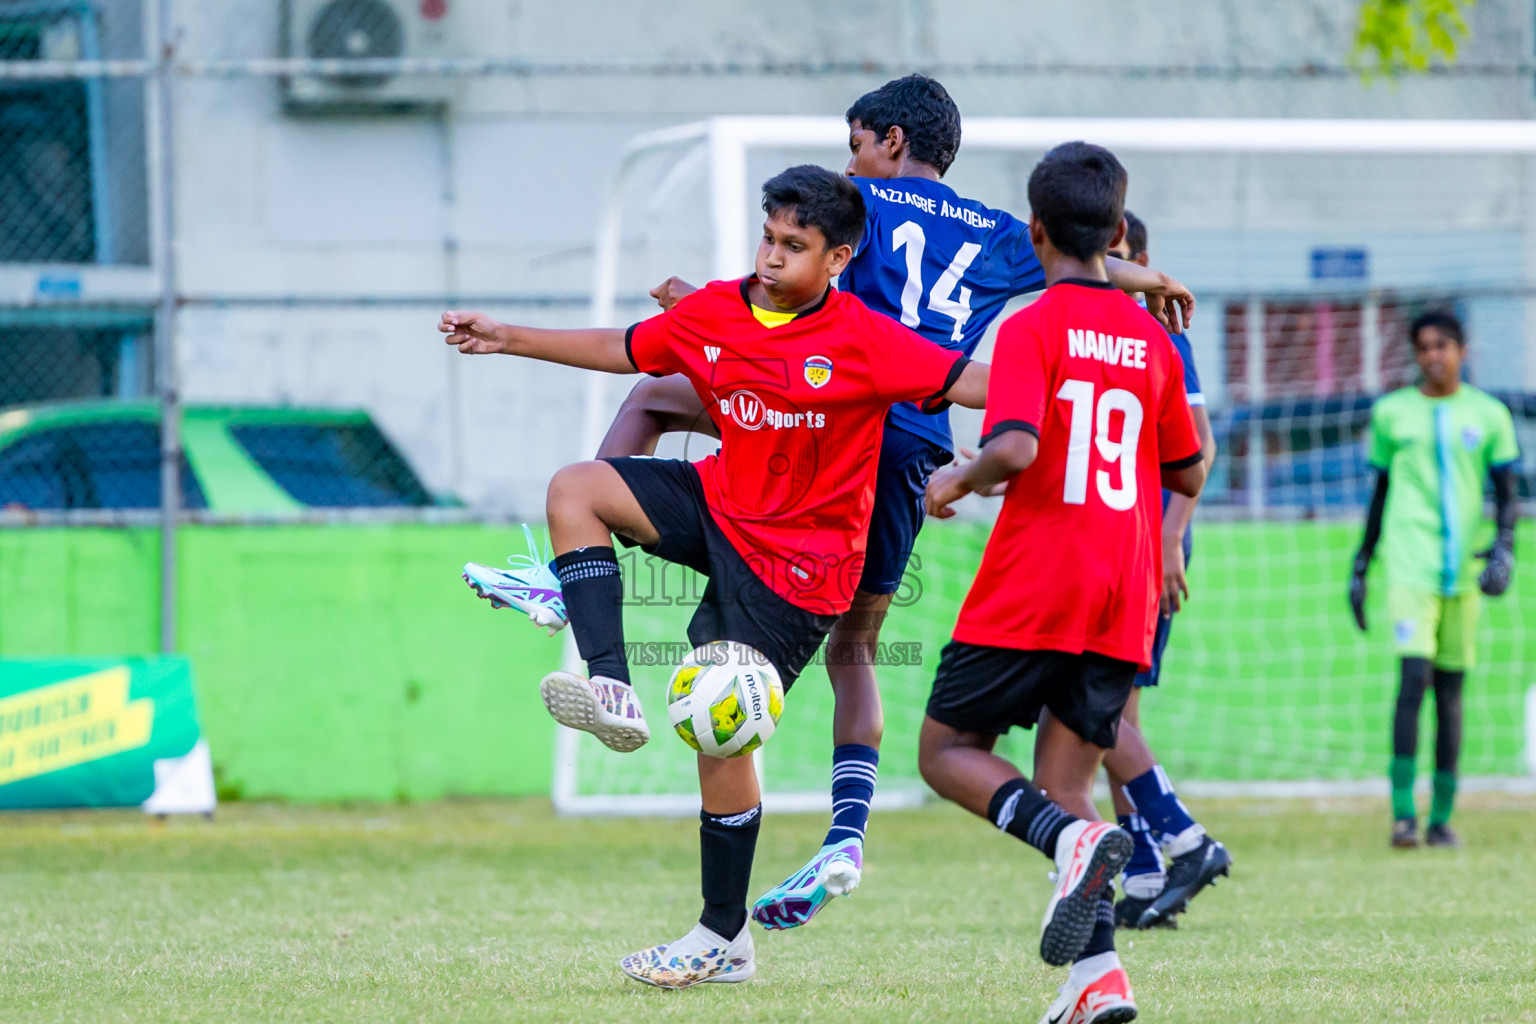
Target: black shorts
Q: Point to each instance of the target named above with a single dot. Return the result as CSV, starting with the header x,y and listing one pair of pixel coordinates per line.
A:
x,y
992,689
906,463
736,605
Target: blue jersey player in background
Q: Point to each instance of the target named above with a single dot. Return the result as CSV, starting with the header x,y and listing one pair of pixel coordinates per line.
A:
x,y
944,266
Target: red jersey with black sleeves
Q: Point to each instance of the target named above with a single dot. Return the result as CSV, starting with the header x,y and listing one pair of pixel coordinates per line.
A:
x,y
1074,562
800,406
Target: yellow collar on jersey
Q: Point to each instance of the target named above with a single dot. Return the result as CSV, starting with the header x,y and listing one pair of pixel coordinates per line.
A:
x,y
771,318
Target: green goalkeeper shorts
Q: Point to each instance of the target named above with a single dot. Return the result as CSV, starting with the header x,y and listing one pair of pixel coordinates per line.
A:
x,y
1429,625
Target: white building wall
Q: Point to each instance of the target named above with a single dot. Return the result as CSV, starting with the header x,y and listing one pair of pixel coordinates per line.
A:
x,y
283,220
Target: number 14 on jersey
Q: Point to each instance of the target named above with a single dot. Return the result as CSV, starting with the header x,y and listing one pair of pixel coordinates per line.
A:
x,y
909,235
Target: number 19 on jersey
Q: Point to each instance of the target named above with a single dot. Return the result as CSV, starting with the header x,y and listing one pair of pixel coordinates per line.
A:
x,y
1087,420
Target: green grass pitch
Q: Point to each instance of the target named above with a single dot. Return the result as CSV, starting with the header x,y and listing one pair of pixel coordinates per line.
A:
x,y
497,911
1267,677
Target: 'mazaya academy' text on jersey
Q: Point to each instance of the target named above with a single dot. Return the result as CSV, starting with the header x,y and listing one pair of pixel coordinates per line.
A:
x,y
1074,562
801,403
943,266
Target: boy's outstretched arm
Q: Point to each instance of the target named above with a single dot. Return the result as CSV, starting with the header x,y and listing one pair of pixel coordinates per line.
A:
x,y
656,406
1176,516
1494,579
1167,299
595,348
1002,456
969,389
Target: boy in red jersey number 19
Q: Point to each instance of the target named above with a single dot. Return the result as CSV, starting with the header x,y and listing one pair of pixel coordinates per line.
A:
x,y
1087,421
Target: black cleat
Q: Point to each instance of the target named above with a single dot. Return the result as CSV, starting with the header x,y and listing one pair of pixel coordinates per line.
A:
x,y
1441,835
1405,834
1129,910
1187,875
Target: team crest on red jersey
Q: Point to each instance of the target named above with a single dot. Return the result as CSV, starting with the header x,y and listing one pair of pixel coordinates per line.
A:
x,y
818,371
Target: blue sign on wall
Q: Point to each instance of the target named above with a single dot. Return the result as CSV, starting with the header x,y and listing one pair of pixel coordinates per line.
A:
x,y
58,286
1339,264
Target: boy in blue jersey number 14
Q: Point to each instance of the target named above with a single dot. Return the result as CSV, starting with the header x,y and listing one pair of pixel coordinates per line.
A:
x,y
944,266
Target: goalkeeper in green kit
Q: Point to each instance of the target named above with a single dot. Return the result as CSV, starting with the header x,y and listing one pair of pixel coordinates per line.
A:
x,y
1433,447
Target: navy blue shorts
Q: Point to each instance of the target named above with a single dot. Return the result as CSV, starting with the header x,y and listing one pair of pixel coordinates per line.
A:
x,y
1164,626
906,463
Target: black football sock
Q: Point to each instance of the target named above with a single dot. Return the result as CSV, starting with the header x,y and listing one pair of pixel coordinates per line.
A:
x,y
726,845
1103,938
1023,812
1414,675
594,604
1414,678
1448,685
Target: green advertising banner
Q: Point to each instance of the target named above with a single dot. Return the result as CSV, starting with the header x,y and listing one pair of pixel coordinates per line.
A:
x,y
102,733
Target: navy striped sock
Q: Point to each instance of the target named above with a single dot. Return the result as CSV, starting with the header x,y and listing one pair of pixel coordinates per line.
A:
x,y
854,767
1144,856
1103,938
1155,801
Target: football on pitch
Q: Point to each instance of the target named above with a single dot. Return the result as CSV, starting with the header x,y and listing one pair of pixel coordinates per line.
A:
x,y
725,699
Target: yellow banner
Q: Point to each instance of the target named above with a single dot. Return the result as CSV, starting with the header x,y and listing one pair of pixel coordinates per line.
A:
x,y
69,723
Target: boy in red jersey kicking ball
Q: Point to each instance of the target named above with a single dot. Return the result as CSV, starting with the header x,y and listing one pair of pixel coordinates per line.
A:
x,y
799,377
1087,420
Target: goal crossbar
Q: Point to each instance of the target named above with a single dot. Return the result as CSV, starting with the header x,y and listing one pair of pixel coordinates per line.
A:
x,y
728,139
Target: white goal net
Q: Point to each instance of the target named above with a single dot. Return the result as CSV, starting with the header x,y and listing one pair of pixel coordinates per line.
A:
x,y
1310,244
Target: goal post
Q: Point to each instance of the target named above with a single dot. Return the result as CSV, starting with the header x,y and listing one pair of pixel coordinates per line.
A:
x,y
1270,689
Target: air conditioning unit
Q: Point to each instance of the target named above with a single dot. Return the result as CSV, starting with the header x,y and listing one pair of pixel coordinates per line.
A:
x,y
340,29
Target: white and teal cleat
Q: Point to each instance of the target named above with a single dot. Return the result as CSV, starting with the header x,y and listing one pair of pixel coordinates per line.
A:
x,y
529,585
834,871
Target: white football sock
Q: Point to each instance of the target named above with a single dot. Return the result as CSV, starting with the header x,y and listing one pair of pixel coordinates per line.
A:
x,y
1089,968
1185,841
1144,886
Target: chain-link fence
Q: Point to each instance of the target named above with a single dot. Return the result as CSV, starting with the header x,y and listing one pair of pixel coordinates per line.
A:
x,y
1300,376
248,216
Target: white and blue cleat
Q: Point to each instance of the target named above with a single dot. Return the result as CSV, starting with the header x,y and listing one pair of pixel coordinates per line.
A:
x,y
699,956
834,871
528,584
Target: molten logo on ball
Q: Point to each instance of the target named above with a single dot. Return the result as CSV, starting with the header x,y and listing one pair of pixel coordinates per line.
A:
x,y
725,699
